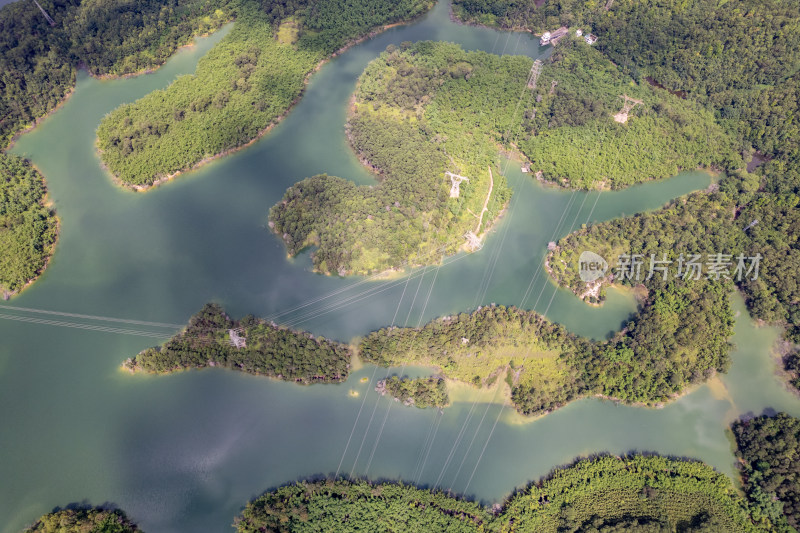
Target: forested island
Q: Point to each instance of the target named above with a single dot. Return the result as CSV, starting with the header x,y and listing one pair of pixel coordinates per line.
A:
x,y
28,226
244,85
679,338
419,392
249,345
605,494
84,521
701,224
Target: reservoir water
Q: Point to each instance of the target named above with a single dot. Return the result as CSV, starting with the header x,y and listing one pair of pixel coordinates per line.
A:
x,y
184,453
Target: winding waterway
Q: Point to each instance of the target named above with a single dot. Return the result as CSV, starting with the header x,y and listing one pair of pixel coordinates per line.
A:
x,y
184,453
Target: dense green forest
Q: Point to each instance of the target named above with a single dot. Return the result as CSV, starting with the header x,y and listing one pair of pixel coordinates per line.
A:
x,y
35,71
703,224
699,46
243,85
737,58
768,448
538,16
38,62
345,506
267,350
609,494
84,521
115,38
775,295
679,337
791,364
419,392
27,226
576,134
704,47
419,110
606,494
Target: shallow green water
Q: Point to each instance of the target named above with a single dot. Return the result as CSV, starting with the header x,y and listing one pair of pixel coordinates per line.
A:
x,y
185,452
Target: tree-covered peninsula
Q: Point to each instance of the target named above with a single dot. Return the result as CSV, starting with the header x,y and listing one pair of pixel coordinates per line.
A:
x,y
636,493
427,115
678,338
700,224
249,345
739,60
84,521
740,220
28,226
419,392
606,494
38,61
245,84
38,65
420,111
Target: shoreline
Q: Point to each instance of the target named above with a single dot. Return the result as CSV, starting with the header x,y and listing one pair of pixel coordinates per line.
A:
x,y
277,120
352,106
49,204
602,185
38,120
461,391
457,20
192,42
781,349
605,281
395,272
129,366
101,77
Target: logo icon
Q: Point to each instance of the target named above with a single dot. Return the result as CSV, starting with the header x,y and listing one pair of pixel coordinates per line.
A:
x,y
591,266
